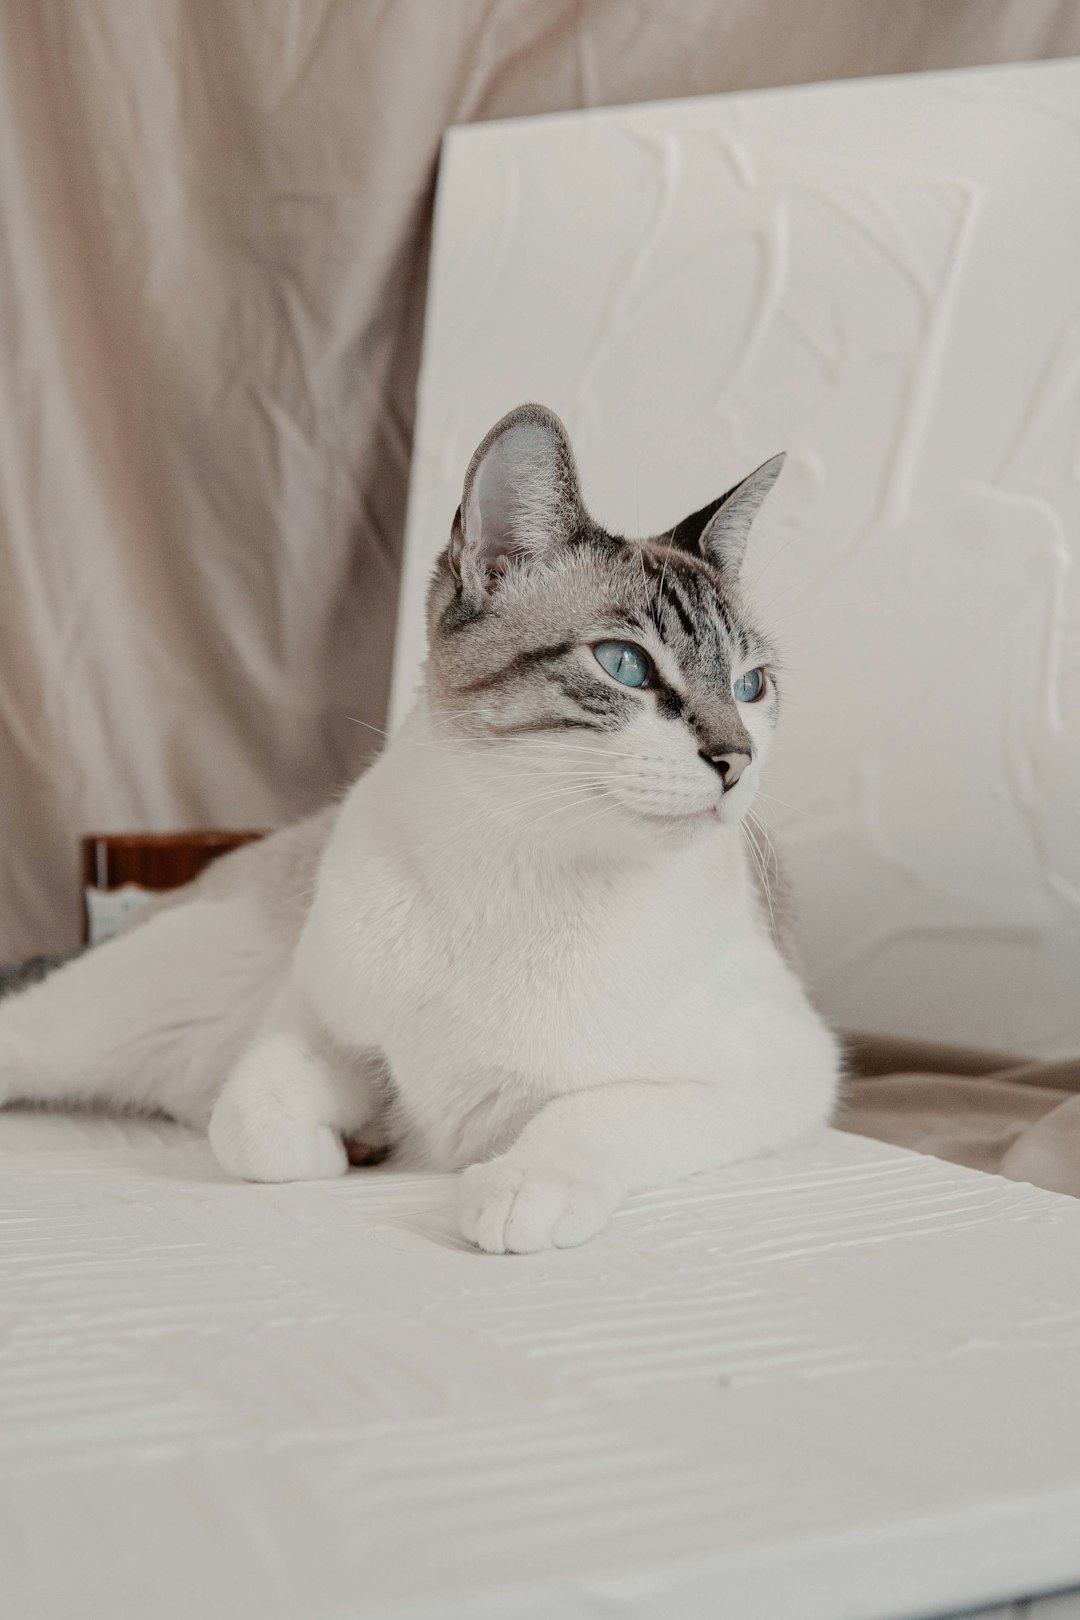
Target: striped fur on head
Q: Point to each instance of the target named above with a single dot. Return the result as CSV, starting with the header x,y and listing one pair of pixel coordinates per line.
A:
x,y
527,588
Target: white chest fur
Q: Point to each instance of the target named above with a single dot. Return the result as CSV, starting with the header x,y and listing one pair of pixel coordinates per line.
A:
x,y
492,981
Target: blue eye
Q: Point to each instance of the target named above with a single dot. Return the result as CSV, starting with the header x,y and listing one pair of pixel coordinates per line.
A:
x,y
749,687
624,661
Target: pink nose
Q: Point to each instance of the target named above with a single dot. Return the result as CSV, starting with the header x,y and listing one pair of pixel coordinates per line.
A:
x,y
729,766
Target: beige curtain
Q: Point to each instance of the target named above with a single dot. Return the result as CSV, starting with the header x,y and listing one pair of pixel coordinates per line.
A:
x,y
989,1110
212,260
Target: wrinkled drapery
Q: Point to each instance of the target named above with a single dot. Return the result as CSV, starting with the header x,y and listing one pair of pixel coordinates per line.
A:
x,y
988,1110
212,261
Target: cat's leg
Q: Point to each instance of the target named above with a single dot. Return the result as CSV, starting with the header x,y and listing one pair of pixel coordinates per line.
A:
x,y
582,1153
291,1098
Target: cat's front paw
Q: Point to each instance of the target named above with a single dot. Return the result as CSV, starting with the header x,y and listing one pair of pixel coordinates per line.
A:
x,y
265,1145
514,1206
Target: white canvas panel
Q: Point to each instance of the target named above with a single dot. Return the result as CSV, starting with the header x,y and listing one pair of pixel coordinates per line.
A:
x,y
882,277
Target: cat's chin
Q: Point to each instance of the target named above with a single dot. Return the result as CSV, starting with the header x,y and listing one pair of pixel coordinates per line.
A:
x,y
688,820
626,834
668,829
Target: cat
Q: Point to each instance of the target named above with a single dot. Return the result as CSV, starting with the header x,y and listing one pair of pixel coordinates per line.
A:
x,y
531,943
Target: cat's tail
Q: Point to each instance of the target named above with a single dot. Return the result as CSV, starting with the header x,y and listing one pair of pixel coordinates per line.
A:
x,y
17,1082
39,1039
150,1020
16,976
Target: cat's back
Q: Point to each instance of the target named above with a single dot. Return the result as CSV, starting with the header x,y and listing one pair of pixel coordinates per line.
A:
x,y
275,876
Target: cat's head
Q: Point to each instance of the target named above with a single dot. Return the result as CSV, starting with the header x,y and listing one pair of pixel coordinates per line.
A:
x,y
604,686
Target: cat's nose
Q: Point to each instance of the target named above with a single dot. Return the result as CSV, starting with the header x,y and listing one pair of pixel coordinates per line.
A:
x,y
729,766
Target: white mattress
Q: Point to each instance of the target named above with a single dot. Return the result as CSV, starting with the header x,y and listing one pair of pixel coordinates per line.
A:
x,y
841,1382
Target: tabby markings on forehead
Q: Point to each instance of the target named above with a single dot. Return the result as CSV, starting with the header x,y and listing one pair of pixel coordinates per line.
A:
x,y
673,595
690,588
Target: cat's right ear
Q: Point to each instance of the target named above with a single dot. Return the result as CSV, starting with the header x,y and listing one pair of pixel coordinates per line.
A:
x,y
520,502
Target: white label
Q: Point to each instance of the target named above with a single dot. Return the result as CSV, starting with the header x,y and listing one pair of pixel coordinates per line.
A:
x,y
109,909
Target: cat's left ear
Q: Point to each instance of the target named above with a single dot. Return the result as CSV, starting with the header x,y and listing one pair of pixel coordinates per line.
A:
x,y
521,499
719,532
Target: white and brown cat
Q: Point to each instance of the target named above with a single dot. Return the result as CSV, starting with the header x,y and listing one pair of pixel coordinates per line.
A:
x,y
531,943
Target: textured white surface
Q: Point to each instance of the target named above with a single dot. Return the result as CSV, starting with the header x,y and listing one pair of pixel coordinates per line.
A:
x,y
842,1382
882,277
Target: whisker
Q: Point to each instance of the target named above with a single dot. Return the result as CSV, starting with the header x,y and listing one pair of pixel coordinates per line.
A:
x,y
764,831
759,864
449,745
770,798
606,808
539,744
506,812
567,802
